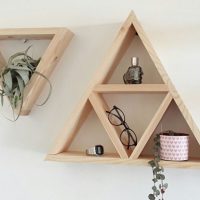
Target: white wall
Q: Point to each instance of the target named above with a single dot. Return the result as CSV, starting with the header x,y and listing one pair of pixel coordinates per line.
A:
x,y
173,27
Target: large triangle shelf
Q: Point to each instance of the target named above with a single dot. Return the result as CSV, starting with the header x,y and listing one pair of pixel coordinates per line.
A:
x,y
94,100
59,40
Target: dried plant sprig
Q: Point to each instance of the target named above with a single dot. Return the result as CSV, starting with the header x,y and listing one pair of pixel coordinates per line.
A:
x,y
15,76
159,187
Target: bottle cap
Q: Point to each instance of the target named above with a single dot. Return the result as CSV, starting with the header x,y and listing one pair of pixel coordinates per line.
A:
x,y
135,61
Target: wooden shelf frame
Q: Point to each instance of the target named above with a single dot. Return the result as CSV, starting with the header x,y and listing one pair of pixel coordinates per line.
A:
x,y
93,100
59,40
126,88
80,157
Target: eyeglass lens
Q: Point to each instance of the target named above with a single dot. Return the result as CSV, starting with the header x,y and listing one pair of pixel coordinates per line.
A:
x,y
117,118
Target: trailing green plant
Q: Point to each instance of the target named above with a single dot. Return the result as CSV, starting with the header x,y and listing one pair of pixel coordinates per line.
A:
x,y
15,76
159,187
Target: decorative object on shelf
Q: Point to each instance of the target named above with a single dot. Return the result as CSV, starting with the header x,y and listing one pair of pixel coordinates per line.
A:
x,y
174,146
134,73
97,150
15,76
159,187
117,118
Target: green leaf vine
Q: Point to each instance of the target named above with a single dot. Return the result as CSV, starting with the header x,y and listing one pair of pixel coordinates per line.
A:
x,y
159,186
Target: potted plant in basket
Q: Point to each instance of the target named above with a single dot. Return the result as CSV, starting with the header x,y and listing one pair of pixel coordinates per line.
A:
x,y
168,145
174,146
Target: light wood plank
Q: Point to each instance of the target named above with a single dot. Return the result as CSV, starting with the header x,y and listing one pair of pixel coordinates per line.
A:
x,y
100,109
46,66
29,33
2,61
130,88
191,163
81,157
151,127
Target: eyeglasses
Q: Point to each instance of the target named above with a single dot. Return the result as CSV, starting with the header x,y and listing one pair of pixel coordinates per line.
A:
x,y
117,118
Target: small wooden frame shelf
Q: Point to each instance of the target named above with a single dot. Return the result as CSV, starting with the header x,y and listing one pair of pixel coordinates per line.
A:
x,y
94,100
60,38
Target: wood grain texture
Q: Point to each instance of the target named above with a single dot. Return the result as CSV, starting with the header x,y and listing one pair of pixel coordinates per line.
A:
x,y
29,33
80,157
2,61
46,66
100,108
131,88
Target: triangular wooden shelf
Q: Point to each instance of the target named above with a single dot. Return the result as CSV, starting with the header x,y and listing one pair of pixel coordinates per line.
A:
x,y
59,40
93,100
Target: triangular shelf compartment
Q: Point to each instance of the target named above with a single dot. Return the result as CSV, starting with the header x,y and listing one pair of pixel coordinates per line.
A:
x,y
91,133
139,108
59,40
171,120
102,84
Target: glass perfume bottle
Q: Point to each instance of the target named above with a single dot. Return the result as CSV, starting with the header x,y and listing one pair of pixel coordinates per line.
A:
x,y
134,73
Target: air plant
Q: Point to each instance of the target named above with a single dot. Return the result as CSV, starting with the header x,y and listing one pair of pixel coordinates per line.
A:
x,y
159,187
15,76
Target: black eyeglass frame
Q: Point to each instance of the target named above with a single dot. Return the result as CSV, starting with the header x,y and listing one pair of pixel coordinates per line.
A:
x,y
126,127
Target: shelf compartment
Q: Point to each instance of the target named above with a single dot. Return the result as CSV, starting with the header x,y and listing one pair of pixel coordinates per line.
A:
x,y
130,88
100,106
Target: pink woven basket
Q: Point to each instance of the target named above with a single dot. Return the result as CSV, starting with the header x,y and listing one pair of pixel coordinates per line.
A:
x,y
174,146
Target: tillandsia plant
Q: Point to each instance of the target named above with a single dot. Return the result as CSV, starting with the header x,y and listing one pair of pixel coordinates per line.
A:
x,y
159,187
15,76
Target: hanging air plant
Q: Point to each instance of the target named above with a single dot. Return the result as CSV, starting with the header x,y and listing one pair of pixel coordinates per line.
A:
x,y
15,76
